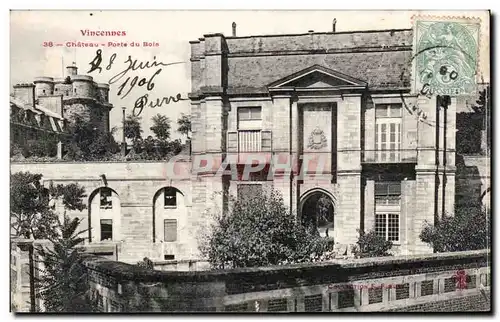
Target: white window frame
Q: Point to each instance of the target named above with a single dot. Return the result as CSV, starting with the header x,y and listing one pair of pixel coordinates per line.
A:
x,y
250,108
386,214
384,154
252,123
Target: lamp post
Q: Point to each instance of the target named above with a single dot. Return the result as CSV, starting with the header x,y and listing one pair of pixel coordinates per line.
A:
x,y
124,143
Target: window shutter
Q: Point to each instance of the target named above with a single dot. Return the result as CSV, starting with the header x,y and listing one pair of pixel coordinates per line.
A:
x,y
232,141
170,226
266,140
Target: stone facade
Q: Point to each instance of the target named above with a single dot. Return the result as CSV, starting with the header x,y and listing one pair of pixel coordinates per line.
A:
x,y
327,114
343,101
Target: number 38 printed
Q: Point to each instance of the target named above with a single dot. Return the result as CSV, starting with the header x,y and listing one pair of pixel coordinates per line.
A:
x,y
48,44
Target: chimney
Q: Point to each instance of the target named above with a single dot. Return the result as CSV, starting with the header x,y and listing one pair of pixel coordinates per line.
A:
x,y
333,24
71,70
234,29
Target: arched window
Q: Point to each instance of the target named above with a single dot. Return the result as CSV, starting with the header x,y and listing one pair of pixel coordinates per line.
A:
x,y
104,215
168,214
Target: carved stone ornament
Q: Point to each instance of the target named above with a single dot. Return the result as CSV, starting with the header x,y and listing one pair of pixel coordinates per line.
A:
x,y
317,139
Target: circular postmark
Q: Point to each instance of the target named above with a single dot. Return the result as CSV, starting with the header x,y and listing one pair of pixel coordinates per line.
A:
x,y
446,58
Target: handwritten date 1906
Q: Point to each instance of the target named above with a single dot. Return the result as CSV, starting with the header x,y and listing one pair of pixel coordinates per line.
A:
x,y
132,82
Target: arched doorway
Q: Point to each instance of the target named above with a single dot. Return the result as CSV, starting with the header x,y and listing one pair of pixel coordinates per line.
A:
x,y
318,212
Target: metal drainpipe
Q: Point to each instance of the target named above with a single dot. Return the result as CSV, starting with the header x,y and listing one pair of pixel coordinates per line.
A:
x,y
436,176
291,137
445,110
31,254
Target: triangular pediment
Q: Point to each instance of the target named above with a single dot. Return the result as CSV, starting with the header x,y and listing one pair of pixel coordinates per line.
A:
x,y
317,77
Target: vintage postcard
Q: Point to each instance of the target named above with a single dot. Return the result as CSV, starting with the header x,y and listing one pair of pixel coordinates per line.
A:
x,y
250,161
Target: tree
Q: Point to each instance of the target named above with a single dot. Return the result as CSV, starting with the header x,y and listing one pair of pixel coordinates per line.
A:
x,y
259,230
371,245
63,279
470,125
32,206
468,229
133,127
184,123
43,146
84,141
161,127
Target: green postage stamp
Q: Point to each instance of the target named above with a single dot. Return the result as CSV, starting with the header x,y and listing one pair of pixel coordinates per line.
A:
x,y
446,56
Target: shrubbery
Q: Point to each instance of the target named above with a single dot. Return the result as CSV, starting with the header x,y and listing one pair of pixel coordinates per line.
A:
x,y
371,245
260,231
468,229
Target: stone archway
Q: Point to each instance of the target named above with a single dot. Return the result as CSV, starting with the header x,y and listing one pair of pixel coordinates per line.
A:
x,y
317,210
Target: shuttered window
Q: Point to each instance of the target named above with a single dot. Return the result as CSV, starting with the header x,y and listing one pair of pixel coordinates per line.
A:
x,y
170,227
387,193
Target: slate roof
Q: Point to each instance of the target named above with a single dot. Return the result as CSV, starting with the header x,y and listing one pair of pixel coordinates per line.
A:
x,y
37,117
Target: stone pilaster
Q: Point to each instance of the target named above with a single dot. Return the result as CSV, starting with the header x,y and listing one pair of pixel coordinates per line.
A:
x,y
369,216
348,216
423,213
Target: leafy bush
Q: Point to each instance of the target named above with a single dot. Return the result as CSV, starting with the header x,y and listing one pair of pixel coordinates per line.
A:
x,y
146,263
468,229
259,230
371,245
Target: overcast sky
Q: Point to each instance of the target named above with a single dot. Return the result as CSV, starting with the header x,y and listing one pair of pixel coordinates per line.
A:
x,y
172,30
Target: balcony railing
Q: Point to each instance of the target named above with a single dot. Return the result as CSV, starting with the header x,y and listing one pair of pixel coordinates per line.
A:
x,y
389,156
249,141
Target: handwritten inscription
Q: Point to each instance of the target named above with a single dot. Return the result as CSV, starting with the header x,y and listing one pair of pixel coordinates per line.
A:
x,y
127,82
143,101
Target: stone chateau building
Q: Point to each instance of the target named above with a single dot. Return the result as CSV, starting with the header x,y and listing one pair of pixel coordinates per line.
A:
x,y
47,104
340,100
341,96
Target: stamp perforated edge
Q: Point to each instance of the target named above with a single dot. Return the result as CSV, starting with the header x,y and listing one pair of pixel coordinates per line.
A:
x,y
464,18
